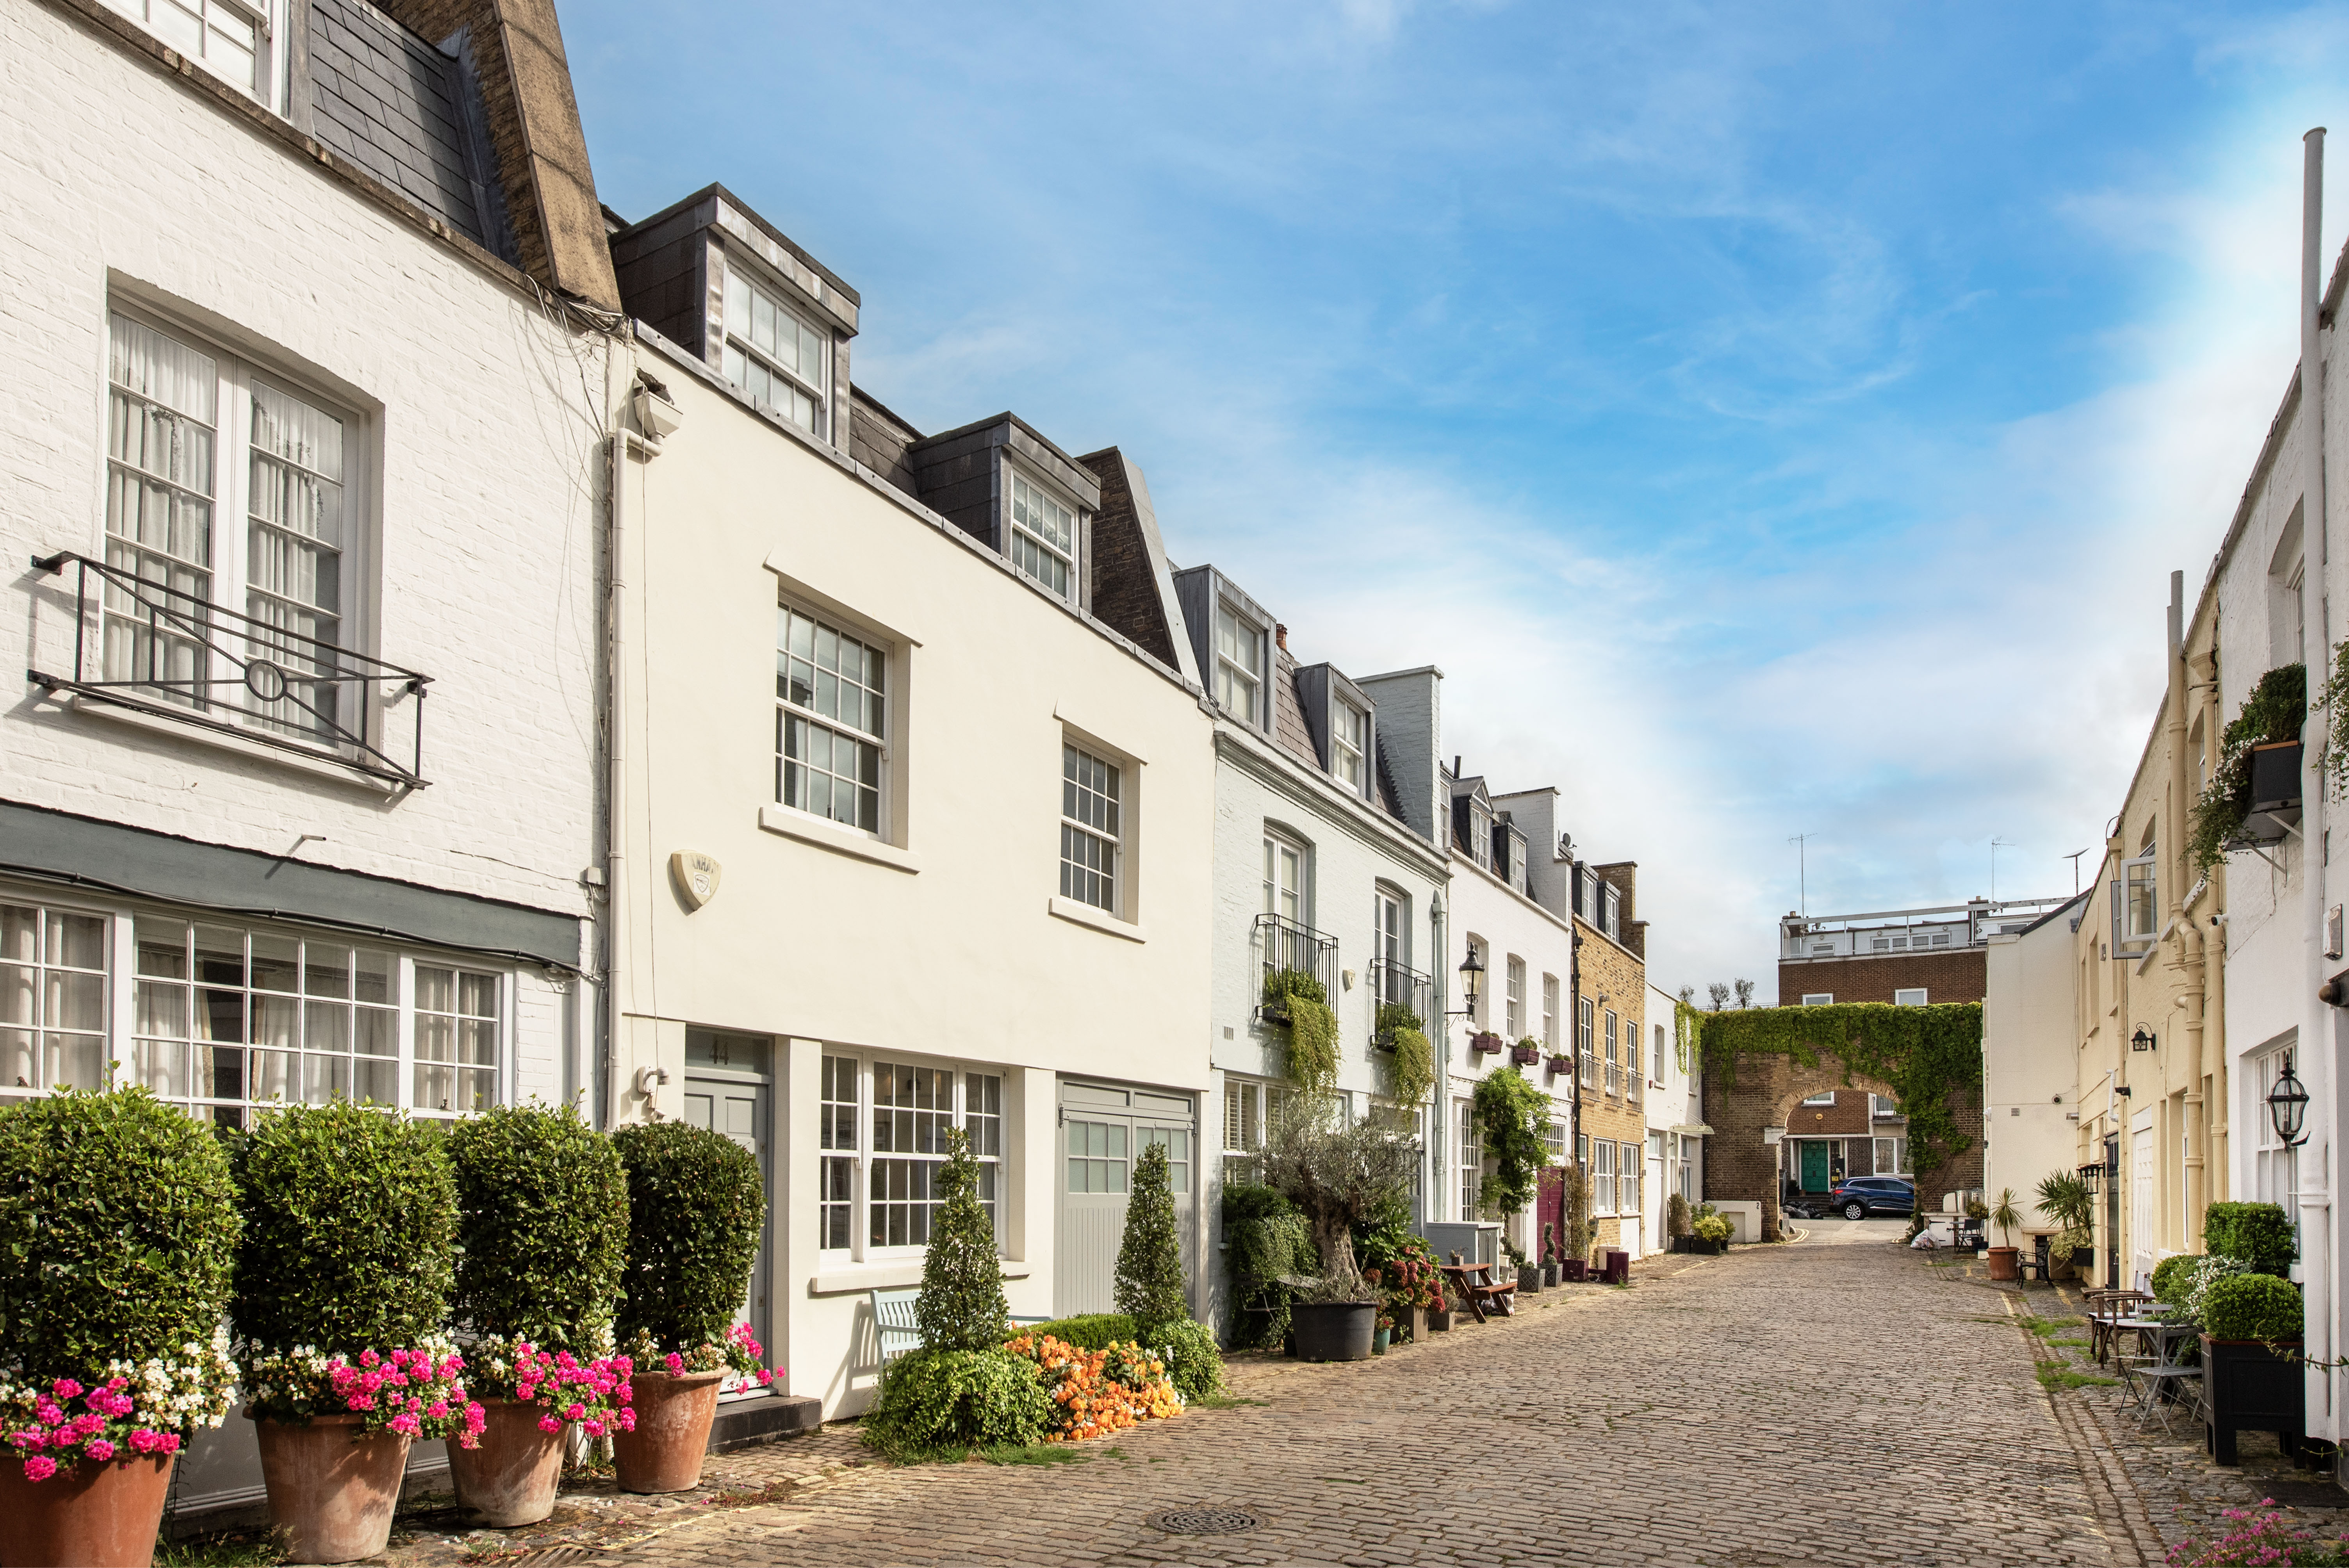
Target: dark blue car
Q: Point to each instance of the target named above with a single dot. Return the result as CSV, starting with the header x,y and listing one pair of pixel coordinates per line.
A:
x,y
1858,1197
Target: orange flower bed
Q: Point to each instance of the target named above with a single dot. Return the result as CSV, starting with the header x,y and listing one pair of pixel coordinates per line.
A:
x,y
1097,1392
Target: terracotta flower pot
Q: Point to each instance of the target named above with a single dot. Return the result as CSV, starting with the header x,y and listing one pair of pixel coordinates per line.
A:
x,y
673,1417
512,1478
332,1487
105,1515
2005,1262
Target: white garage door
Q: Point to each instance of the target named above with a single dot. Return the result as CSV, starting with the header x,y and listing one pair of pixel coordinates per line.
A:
x,y
1103,1127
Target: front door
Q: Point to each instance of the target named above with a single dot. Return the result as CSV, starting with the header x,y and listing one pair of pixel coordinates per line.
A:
x,y
728,1089
1103,1128
1815,1165
1550,1210
2144,1220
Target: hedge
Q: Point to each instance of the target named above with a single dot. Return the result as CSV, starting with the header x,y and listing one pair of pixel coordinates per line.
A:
x,y
2252,1306
543,1227
937,1400
697,1202
2257,1234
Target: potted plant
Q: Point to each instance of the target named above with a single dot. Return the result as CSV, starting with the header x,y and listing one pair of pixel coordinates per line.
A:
x,y
1676,1219
695,1204
2254,1378
1511,1114
1709,1232
1550,1253
2223,816
1266,1241
342,1288
1439,1317
2259,1236
1336,1174
117,1235
2066,1200
542,1232
1574,1265
1485,1042
1525,1052
1528,1272
2005,1262
1382,1335
1558,1063
1298,1001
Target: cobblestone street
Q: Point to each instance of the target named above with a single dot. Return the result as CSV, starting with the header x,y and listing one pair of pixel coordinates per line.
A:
x,y
1838,1400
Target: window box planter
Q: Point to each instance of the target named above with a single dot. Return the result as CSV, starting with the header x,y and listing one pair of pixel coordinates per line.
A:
x,y
1333,1330
1274,1013
2276,776
105,1514
1560,1065
1524,1056
1383,1040
1488,1043
2253,1385
1410,1324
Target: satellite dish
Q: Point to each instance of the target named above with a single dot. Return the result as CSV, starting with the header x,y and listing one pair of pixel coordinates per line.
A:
x,y
1565,846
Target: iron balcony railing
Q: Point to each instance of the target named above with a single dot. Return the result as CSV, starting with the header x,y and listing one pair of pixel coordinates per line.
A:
x,y
174,654
1586,1078
1398,985
1286,944
1614,1081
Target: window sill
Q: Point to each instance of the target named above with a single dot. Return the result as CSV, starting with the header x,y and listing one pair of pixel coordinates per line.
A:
x,y
854,1279
1069,910
318,766
830,836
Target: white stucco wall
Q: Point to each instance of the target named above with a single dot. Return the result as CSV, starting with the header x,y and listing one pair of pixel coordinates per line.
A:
x,y
935,946
2030,1047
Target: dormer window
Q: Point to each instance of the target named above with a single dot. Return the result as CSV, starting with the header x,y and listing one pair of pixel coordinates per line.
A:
x,y
230,37
1610,917
778,359
1043,539
1239,668
1350,746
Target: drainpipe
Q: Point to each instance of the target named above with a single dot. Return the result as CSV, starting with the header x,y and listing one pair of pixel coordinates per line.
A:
x,y
619,996
2188,958
2316,1065
1440,1112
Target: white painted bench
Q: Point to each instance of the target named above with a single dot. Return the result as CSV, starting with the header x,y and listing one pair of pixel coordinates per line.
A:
x,y
893,1324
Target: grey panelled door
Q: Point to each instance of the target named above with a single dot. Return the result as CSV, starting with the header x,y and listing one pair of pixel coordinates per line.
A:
x,y
723,1097
1103,1128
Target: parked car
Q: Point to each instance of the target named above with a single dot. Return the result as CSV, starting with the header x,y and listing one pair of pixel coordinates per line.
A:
x,y
1858,1197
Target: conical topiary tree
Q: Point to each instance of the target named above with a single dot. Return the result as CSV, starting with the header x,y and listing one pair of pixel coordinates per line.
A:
x,y
1150,1261
961,1306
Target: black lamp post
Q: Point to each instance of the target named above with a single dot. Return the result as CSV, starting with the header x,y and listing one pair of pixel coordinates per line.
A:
x,y
1472,976
2288,1107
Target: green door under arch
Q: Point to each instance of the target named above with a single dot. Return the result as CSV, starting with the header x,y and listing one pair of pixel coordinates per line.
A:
x,y
1814,1166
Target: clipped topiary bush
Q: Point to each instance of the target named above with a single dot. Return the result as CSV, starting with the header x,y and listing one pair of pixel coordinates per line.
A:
x,y
1087,1331
935,1400
1193,1359
350,1219
961,1306
2257,1234
542,1228
2252,1306
1150,1260
696,1204
2172,1276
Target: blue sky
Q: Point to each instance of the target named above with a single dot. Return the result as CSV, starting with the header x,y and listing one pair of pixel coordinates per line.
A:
x,y
1772,421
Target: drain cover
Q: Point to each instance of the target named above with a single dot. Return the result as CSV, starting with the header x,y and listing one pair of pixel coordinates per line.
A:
x,y
1203,1520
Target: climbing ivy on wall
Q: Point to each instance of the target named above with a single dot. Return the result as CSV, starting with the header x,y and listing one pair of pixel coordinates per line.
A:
x,y
1926,1056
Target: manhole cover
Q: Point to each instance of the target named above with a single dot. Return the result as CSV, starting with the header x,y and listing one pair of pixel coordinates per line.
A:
x,y
1203,1520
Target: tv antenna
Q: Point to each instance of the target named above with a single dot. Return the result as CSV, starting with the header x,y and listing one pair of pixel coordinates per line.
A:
x,y
1996,843
1802,871
2074,858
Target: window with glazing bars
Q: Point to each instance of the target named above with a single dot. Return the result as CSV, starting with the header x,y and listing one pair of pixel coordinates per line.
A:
x,y
837,1140
1584,1049
1549,1013
913,1107
1239,668
1089,829
1471,1144
1516,1019
1350,745
1627,1163
1043,539
1614,1063
230,38
830,723
1603,1179
53,994
777,356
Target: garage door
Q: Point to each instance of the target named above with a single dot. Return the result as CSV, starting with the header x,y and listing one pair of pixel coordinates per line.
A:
x,y
1103,1127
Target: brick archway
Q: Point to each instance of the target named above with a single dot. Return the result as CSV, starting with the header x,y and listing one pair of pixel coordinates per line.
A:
x,y
1769,1092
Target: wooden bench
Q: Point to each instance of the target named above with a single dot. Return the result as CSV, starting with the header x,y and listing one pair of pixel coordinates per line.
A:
x,y
1474,1283
895,1327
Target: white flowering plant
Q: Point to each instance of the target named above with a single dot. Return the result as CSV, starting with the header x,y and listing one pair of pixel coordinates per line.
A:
x,y
419,1391
137,1410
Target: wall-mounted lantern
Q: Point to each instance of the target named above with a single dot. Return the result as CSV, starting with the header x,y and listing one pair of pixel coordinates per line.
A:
x,y
2288,1107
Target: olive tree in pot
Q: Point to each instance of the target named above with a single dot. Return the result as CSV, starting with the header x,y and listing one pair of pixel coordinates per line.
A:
x,y
2005,1262
2065,1199
2255,1379
543,1230
696,1204
1336,1174
342,1289
117,1232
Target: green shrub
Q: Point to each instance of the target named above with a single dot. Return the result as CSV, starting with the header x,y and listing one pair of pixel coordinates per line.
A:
x,y
2275,711
1714,1228
1676,1216
1192,1358
961,1306
2171,1276
2257,1234
2251,1306
117,1232
1087,1331
1413,1068
695,1204
350,1224
2191,1285
932,1400
542,1227
1150,1286
1513,1115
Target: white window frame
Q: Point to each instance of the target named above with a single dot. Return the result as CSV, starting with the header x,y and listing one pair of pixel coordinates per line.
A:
x,y
2140,890
744,293
1891,1157
1602,1177
230,527
997,1170
1549,1014
1084,826
1350,746
1028,546
1825,1097
1281,852
1231,675
789,611
1516,998
1819,999
1586,1045
1468,1157
1614,1061
1656,1077
1909,996
1249,1106
1628,1158
1610,911
1390,926
142,1033
268,87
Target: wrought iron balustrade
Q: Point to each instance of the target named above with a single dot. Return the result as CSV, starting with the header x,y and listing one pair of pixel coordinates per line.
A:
x,y
1586,1078
1286,944
1614,1081
1398,985
174,654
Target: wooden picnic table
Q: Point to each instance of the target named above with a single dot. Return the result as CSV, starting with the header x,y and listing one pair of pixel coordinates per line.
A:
x,y
1475,1285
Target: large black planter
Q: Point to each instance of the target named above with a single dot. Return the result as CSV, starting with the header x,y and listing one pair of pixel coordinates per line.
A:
x,y
2252,1385
1699,1245
1333,1330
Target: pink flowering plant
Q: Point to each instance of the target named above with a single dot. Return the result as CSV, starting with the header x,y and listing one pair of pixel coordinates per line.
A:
x,y
594,1394
740,1354
2263,1536
136,1411
418,1391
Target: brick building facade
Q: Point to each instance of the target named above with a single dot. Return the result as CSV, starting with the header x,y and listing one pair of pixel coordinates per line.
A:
x,y
1953,977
